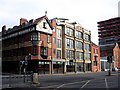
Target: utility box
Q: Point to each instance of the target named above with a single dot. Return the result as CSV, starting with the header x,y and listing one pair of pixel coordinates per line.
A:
x,y
35,78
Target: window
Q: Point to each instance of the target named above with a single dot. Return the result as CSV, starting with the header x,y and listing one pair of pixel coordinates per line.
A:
x,y
79,55
79,45
87,37
53,51
93,50
34,50
58,54
35,36
44,25
96,51
69,43
44,52
53,40
88,66
53,29
58,43
22,51
79,34
95,63
87,47
87,56
69,54
48,38
58,32
69,31
22,39
38,35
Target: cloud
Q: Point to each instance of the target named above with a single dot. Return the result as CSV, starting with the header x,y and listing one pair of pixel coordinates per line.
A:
x,y
86,12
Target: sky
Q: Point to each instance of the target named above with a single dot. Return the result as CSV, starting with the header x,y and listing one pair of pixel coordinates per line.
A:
x,y
85,12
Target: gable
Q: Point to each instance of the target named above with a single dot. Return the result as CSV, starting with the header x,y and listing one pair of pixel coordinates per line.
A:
x,y
44,26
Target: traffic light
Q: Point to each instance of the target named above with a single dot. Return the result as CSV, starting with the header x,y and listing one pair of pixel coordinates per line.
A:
x,y
109,59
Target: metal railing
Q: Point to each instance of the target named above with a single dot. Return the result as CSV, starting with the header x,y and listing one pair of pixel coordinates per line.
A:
x,y
10,80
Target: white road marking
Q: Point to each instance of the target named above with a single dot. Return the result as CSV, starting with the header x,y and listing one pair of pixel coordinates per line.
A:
x,y
59,86
85,83
69,84
106,83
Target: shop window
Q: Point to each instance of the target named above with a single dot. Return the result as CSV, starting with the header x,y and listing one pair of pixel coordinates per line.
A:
x,y
80,67
88,66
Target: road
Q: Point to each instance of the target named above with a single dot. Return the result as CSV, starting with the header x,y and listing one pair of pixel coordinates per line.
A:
x,y
82,80
77,81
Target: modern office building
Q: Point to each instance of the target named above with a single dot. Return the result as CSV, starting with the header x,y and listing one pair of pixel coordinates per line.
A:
x,y
109,35
76,45
95,58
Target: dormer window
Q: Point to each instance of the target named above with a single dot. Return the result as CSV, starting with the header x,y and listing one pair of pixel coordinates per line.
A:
x,y
44,25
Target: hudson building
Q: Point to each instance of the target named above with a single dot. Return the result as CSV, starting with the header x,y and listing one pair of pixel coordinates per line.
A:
x,y
75,43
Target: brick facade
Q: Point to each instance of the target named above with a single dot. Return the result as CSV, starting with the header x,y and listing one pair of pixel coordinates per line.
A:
x,y
116,53
95,58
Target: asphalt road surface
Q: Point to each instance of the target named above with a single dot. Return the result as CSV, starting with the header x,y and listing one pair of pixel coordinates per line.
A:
x,y
77,81
82,80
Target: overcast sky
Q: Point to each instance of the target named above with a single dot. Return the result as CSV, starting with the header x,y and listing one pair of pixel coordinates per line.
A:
x,y
85,12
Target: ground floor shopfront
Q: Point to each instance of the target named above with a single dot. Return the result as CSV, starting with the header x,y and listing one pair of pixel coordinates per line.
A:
x,y
47,66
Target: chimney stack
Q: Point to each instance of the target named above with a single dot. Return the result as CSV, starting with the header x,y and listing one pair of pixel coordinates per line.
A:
x,y
22,20
3,29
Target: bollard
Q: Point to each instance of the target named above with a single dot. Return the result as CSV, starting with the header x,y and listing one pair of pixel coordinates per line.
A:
x,y
35,78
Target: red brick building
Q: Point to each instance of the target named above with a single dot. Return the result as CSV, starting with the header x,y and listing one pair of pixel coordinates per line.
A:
x,y
116,53
30,42
95,58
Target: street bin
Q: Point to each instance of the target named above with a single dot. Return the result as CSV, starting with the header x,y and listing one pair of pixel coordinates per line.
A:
x,y
35,78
